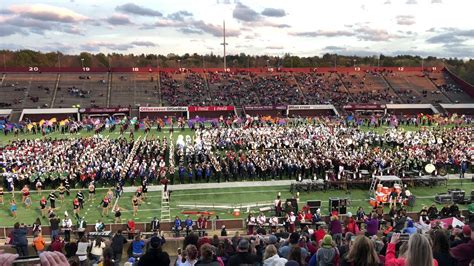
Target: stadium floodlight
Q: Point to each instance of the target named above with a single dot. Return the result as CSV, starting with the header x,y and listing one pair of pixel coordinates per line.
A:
x,y
224,44
82,62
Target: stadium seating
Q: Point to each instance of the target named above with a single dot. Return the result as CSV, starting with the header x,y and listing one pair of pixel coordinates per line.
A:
x,y
86,90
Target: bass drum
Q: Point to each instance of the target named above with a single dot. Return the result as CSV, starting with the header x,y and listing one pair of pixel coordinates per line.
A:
x,y
442,171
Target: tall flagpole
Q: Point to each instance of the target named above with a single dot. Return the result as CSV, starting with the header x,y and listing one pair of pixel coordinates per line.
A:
x,y
225,44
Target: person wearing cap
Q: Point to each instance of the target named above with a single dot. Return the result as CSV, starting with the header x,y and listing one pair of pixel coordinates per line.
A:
x,y
463,237
293,241
154,255
243,255
463,253
327,254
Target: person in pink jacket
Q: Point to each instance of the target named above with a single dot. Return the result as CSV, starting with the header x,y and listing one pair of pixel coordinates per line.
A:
x,y
419,252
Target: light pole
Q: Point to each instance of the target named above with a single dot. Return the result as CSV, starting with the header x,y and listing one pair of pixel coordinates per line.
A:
x,y
179,64
82,62
354,60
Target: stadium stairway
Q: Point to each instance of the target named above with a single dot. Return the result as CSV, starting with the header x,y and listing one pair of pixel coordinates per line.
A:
x,y
300,91
3,78
55,91
109,89
391,87
444,93
344,85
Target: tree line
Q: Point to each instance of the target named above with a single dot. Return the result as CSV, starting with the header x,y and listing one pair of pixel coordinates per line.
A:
x,y
24,58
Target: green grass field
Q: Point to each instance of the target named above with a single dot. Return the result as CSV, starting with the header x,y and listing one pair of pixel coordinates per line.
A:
x,y
232,197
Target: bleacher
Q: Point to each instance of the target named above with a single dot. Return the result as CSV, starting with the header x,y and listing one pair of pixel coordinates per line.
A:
x,y
322,88
87,90
447,86
368,87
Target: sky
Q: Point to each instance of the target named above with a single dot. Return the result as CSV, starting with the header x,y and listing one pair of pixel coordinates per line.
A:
x,y
442,28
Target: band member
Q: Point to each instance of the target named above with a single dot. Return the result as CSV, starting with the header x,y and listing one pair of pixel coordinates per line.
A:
x,y
261,219
25,192
135,203
273,223
105,206
201,224
144,187
43,209
67,228
177,226
118,190
67,185
39,186
278,206
91,190
13,207
62,190
1,196
291,222
52,200
28,201
155,224
165,182
189,225
251,222
139,194
76,207
117,214
80,198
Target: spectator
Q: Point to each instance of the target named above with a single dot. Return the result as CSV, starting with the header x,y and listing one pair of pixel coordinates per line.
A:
x,y
295,255
223,231
117,246
335,228
372,225
410,229
441,248
38,242
54,223
293,241
97,249
362,252
271,258
463,253
327,254
463,237
137,247
154,255
57,244
243,256
81,253
191,256
19,239
419,252
107,257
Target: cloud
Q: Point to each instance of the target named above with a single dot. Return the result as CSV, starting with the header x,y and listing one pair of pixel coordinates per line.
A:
x,y
375,35
118,20
25,24
95,46
215,30
274,12
405,20
132,8
323,33
334,48
144,43
411,2
7,30
274,47
245,13
452,36
388,2
180,15
190,31
436,1
43,12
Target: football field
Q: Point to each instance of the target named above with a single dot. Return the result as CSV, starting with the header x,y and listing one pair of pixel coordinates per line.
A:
x,y
220,201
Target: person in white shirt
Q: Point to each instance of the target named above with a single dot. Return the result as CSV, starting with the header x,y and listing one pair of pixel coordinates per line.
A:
x,y
67,227
97,250
273,223
99,226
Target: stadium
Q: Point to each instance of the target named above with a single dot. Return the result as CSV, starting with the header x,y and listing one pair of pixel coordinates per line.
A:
x,y
211,160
